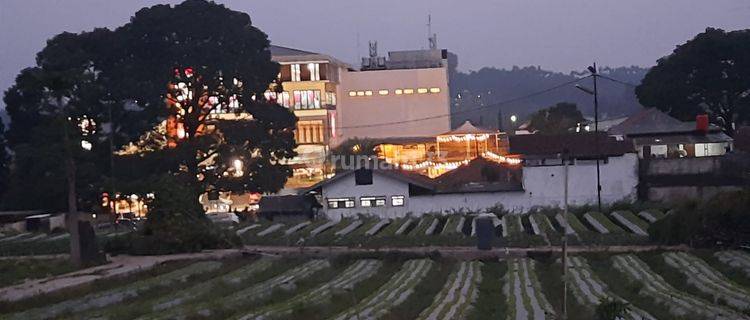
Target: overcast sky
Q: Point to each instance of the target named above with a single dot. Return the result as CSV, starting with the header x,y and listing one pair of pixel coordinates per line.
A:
x,y
556,35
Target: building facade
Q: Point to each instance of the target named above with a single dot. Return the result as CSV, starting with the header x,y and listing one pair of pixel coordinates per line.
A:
x,y
405,95
310,87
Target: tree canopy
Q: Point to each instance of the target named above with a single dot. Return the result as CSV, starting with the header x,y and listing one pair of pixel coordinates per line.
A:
x,y
134,71
708,74
557,119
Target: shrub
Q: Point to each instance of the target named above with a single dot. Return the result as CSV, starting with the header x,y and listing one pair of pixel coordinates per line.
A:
x,y
721,220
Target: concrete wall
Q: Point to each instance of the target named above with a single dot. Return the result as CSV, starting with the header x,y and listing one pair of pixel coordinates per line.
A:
x,y
619,179
377,108
680,193
543,187
683,166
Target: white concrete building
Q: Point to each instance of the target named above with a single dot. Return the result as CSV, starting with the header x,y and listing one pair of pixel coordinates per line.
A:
x,y
410,88
393,193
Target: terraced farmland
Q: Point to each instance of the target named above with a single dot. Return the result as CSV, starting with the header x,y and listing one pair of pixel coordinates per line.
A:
x,y
522,230
388,286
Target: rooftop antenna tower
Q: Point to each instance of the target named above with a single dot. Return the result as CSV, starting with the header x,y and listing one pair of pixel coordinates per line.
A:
x,y
431,37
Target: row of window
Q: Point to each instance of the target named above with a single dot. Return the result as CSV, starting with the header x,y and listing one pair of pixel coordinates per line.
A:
x,y
314,69
300,99
365,202
400,91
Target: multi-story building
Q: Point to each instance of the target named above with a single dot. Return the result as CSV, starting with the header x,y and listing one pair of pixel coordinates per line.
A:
x,y
405,95
310,83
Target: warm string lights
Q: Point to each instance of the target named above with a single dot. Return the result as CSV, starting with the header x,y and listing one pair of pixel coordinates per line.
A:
x,y
447,166
463,138
501,159
431,165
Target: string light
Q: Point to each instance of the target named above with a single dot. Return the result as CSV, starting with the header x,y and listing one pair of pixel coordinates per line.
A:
x,y
463,138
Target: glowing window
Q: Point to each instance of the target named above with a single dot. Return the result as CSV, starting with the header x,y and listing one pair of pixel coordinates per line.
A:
x,y
397,201
408,91
296,73
360,93
368,93
383,92
421,90
434,90
399,91
352,93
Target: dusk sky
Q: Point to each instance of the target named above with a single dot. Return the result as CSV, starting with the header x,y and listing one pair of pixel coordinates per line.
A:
x,y
556,35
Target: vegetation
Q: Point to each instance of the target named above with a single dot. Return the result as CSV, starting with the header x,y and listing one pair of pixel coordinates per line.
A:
x,y
558,119
17,270
708,74
722,220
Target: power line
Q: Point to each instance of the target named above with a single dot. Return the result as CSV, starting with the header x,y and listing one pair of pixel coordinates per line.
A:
x,y
618,81
527,96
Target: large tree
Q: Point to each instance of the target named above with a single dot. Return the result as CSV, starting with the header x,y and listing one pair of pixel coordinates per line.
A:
x,y
56,111
560,118
181,62
708,74
4,161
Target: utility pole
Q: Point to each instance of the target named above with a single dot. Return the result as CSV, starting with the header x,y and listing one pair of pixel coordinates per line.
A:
x,y
595,74
565,158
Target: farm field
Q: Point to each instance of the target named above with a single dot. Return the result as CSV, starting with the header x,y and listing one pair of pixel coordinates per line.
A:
x,y
512,230
654,285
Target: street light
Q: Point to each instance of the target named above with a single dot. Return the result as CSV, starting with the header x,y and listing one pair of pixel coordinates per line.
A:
x,y
513,118
595,93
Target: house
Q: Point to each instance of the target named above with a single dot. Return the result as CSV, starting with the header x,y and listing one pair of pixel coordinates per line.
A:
x,y
657,135
543,167
288,206
483,183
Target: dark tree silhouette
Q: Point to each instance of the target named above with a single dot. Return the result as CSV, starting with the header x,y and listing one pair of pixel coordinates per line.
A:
x,y
708,74
557,119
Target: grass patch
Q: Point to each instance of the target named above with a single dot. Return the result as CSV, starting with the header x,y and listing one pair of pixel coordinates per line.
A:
x,y
674,277
343,301
549,273
620,285
95,286
15,271
491,301
425,292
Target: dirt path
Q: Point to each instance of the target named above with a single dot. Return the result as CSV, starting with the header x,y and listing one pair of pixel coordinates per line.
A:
x,y
457,252
119,266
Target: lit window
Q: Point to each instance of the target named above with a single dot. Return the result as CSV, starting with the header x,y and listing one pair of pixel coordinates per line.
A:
x,y
314,71
336,203
383,92
408,91
422,90
306,99
434,90
352,93
372,201
296,73
397,201
368,93
360,93
399,91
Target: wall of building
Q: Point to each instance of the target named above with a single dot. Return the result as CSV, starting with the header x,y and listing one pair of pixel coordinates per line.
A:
x,y
682,166
619,179
381,186
543,187
376,108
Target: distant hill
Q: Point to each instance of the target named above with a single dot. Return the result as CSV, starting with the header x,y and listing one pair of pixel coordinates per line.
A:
x,y
481,89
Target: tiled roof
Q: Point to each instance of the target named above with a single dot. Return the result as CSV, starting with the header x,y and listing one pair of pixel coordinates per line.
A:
x,y
480,174
650,121
286,51
578,144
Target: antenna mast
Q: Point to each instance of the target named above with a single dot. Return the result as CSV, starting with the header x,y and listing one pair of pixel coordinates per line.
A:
x,y
431,37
